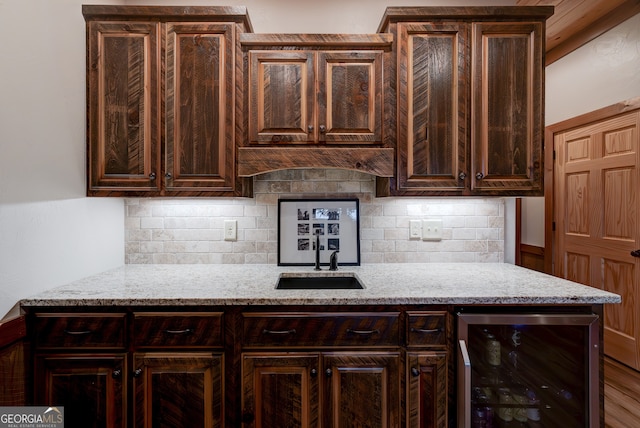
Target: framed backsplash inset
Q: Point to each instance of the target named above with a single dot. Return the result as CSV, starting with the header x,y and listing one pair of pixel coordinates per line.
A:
x,y
334,223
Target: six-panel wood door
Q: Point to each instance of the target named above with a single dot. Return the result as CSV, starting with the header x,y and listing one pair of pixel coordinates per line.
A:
x,y
433,94
199,107
597,206
91,388
507,107
427,390
178,390
361,389
123,121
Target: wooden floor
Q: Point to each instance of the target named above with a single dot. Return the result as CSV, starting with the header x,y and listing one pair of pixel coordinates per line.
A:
x,y
621,395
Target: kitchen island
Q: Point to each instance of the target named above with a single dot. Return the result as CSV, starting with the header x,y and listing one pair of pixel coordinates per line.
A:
x,y
406,283
219,345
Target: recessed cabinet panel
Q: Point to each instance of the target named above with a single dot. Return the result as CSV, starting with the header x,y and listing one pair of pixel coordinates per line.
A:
x,y
123,122
198,148
281,97
281,390
91,388
507,98
178,390
350,97
433,92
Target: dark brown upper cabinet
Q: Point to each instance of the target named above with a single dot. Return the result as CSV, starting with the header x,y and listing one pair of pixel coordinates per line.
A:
x,y
161,100
315,100
470,99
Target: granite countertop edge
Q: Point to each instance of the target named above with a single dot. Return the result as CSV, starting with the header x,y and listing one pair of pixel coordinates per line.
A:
x,y
385,284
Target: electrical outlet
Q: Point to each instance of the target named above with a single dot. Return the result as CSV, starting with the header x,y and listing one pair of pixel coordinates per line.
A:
x,y
432,230
230,230
415,229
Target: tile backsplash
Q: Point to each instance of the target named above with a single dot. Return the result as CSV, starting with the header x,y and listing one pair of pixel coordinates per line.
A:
x,y
178,230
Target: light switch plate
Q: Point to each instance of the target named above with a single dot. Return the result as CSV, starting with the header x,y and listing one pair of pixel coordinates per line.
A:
x,y
230,230
415,229
432,230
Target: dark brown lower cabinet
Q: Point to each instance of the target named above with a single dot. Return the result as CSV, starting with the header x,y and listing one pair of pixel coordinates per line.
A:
x,y
300,389
362,389
281,390
91,388
427,389
178,390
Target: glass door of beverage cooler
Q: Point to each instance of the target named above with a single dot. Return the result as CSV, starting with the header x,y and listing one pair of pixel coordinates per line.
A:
x,y
528,370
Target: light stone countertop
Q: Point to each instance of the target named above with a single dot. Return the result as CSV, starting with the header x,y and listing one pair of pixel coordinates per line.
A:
x,y
431,283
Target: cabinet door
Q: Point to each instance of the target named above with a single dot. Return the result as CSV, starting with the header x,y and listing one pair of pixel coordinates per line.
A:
x,y
361,389
199,107
433,94
178,390
350,97
91,388
280,390
281,97
123,123
427,390
507,115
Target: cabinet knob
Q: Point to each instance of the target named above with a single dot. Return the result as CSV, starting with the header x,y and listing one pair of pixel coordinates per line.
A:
x,y
323,129
152,176
314,372
635,253
479,176
415,372
328,372
168,176
137,373
310,128
116,374
462,176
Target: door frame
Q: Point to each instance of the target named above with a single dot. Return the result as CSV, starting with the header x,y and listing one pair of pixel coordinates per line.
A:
x,y
550,239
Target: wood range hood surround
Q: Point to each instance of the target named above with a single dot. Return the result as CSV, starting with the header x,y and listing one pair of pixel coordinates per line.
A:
x,y
258,160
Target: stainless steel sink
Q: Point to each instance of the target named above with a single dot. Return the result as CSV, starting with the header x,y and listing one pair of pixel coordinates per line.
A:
x,y
319,282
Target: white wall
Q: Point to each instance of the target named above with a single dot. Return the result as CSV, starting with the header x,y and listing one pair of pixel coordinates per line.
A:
x,y
50,233
603,72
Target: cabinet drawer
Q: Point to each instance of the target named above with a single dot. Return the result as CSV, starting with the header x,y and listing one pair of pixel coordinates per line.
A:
x,y
165,330
79,330
308,329
426,328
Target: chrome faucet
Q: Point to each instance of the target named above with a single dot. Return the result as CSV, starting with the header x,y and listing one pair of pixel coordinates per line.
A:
x,y
333,260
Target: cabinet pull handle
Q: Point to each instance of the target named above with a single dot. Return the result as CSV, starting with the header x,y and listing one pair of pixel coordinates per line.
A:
x,y
137,373
152,176
363,332
78,332
635,253
292,331
185,331
462,176
479,176
116,374
415,372
426,330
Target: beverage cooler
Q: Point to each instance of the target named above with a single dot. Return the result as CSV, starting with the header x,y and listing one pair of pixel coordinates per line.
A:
x,y
528,370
